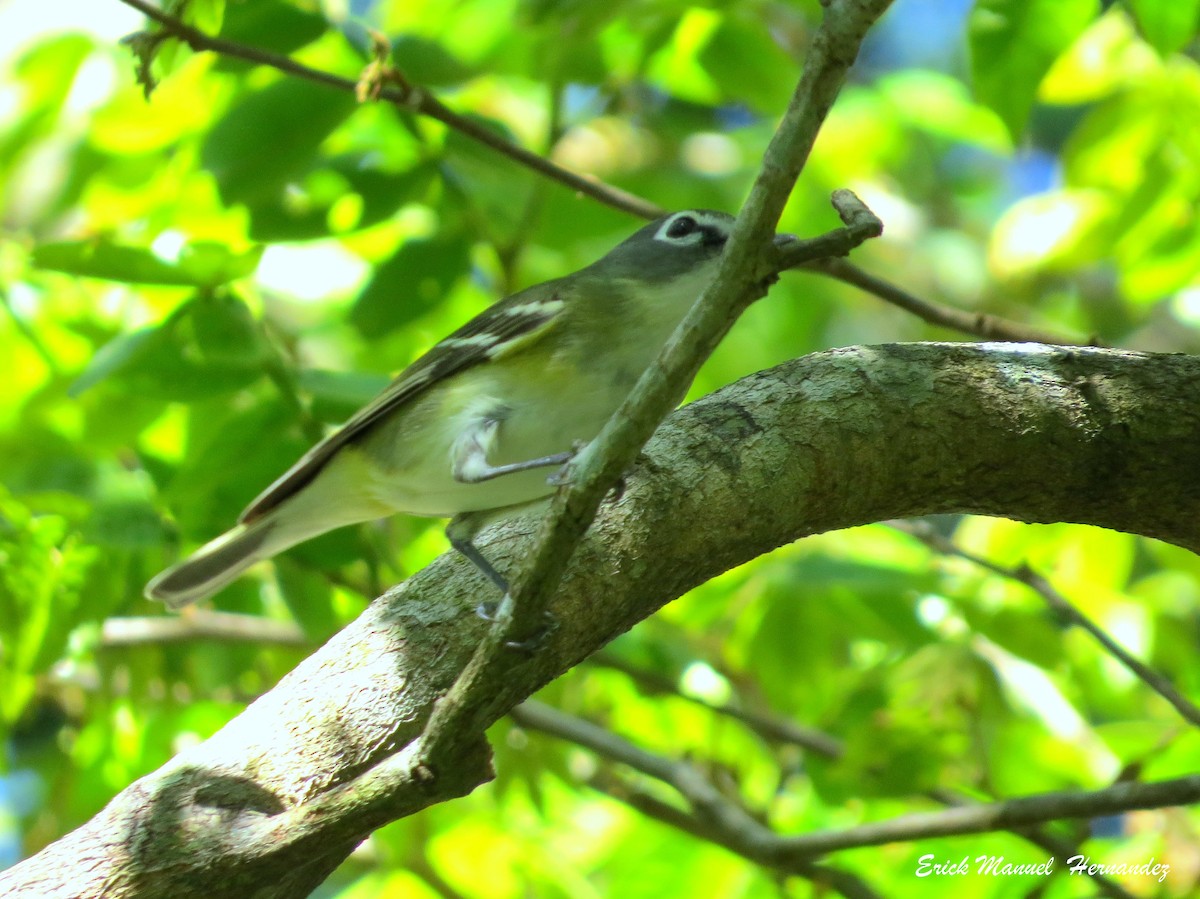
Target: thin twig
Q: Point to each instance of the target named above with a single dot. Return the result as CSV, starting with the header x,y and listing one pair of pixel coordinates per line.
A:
x,y
748,264
406,97
1004,815
413,98
1059,847
844,882
200,625
769,727
990,327
714,816
783,730
774,728
1066,611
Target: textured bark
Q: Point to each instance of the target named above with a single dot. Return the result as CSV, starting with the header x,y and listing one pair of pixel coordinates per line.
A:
x,y
274,801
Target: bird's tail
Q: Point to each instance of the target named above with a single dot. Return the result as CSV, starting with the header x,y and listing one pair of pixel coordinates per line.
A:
x,y
214,565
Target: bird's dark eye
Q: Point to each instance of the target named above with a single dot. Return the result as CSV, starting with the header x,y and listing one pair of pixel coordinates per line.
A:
x,y
682,226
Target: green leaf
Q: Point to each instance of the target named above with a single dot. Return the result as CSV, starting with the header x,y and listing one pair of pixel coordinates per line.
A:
x,y
743,56
270,137
309,598
939,104
110,261
208,347
232,454
269,25
336,395
1167,25
410,283
211,264
498,191
202,264
308,212
116,355
1013,43
205,15
428,63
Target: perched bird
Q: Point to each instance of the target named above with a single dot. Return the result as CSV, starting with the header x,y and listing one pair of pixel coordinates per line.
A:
x,y
473,424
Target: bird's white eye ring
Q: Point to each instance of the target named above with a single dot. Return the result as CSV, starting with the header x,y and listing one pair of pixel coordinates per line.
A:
x,y
681,227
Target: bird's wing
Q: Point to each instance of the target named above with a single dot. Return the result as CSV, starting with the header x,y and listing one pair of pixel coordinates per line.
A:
x,y
514,322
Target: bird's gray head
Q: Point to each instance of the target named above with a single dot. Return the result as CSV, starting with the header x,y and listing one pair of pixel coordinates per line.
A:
x,y
674,245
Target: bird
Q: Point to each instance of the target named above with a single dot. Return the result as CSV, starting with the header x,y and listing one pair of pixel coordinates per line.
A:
x,y
473,425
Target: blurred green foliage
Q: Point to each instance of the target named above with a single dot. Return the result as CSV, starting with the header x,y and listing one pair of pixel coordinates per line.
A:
x,y
195,283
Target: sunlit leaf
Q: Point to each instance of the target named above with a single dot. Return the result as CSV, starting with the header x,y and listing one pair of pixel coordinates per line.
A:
x,y
1168,26
336,395
271,25
410,283
1013,43
270,137
209,346
103,259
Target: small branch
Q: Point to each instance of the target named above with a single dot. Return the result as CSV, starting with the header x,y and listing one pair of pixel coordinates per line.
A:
x,y
522,613
777,850
1056,846
749,263
701,795
769,727
406,97
1066,611
1005,815
989,327
200,625
536,716
715,817
821,875
412,98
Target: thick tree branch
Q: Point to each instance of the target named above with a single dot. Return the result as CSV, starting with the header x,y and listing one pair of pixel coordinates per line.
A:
x,y
829,441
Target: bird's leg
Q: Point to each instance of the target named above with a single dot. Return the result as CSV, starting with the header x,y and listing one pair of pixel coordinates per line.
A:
x,y
461,533
469,455
469,464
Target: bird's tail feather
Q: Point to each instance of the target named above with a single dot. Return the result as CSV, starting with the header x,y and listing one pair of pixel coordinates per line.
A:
x,y
213,565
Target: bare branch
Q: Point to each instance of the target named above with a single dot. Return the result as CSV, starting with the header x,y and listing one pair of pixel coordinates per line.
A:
x,y
769,727
733,821
1005,815
1066,611
990,327
409,98
822,875
412,98
1038,836
714,817
537,716
200,624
